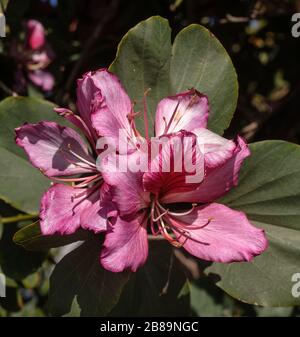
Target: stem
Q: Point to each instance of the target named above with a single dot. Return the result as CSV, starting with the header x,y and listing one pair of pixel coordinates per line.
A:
x,y
109,14
6,89
17,218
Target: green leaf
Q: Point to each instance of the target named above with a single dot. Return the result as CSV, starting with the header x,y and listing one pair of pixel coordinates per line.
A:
x,y
143,62
31,238
274,312
79,274
200,61
21,185
269,193
146,59
205,301
161,282
15,262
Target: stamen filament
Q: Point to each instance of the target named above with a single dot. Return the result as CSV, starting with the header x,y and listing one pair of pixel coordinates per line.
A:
x,y
176,213
88,182
183,213
81,158
160,216
172,118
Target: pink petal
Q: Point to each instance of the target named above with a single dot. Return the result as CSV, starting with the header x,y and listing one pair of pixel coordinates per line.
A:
x,y
126,244
102,99
126,187
220,234
167,172
64,209
40,59
77,121
185,111
86,91
42,79
217,150
217,181
112,105
48,146
35,34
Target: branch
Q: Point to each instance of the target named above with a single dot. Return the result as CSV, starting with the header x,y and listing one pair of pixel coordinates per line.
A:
x,y
110,12
7,90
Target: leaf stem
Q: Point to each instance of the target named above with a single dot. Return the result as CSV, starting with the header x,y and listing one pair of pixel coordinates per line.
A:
x,y
17,218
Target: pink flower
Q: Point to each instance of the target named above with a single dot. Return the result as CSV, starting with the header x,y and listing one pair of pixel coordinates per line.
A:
x,y
150,200
126,204
61,154
35,35
39,56
35,55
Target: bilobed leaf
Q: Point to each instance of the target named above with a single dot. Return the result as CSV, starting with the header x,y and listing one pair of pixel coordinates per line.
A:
x,y
143,62
269,193
80,274
199,60
31,238
146,59
21,185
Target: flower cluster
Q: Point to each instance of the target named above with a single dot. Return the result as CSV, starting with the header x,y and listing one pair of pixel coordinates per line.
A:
x,y
129,206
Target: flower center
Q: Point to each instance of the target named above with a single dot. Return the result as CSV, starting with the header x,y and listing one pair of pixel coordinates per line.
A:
x,y
158,217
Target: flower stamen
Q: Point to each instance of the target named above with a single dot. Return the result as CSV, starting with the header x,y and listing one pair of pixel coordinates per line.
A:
x,y
81,158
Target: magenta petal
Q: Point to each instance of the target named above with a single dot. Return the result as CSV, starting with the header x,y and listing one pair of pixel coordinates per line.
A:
x,y
185,111
126,244
86,91
103,103
217,150
77,121
217,181
220,234
111,105
96,210
42,79
48,146
64,209
168,172
126,187
35,34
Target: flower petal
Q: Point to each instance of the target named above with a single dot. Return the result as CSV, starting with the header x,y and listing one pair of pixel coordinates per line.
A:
x,y
126,187
217,181
112,105
77,121
42,79
35,34
64,209
220,234
48,146
86,91
103,103
185,111
217,150
126,244
170,168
